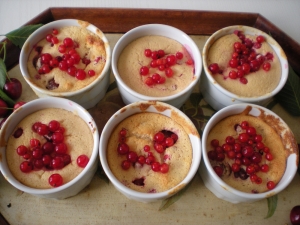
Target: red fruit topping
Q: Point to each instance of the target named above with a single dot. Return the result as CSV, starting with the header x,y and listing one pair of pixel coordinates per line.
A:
x,y
260,39
49,37
144,70
141,160
53,125
54,40
37,153
132,156
82,161
26,167
214,68
91,73
169,72
57,137
218,170
179,55
146,148
266,66
235,167
61,148
55,180
269,156
159,137
123,149
155,166
57,163
22,150
80,74
68,42
34,143
164,168
126,164
264,168
48,147
270,185
147,52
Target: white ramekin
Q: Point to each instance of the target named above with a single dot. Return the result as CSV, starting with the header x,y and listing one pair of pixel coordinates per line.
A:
x,y
78,183
156,107
129,95
217,96
222,190
88,96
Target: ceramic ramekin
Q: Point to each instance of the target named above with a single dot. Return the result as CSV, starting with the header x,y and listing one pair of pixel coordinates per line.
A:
x,y
79,182
221,189
155,107
129,95
89,95
216,95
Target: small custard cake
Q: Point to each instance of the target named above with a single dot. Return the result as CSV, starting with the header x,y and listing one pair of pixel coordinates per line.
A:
x,y
149,152
251,70
46,142
68,59
156,66
247,152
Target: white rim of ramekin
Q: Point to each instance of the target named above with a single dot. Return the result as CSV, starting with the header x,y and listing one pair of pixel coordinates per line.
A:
x,y
216,178
136,194
282,58
50,26
6,173
197,73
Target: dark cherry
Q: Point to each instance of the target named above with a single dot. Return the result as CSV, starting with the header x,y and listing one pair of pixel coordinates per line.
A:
x,y
295,215
13,88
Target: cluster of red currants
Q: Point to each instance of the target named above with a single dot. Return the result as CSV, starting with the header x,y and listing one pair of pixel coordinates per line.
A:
x,y
162,140
246,151
245,60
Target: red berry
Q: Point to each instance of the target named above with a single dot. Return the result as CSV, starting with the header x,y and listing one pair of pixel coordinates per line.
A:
x,y
123,149
218,170
155,166
55,180
68,42
82,161
260,39
34,143
22,150
147,52
169,72
91,73
264,168
164,168
61,148
141,159
26,166
126,165
146,148
132,156
80,74
266,66
144,70
270,185
214,68
159,137
179,55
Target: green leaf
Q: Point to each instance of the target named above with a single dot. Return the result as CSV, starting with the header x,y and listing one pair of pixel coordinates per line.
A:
x,y
20,35
3,72
170,201
7,99
272,205
289,96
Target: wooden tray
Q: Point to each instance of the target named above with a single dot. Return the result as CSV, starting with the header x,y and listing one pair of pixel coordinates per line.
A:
x,y
100,203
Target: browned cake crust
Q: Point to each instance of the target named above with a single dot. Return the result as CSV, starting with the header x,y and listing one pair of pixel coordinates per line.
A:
x,y
78,139
141,128
227,127
90,46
